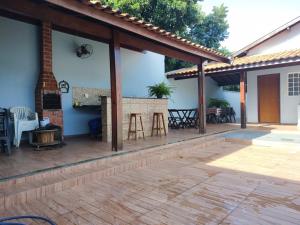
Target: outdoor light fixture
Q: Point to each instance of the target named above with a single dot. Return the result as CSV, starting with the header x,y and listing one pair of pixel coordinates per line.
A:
x,y
64,86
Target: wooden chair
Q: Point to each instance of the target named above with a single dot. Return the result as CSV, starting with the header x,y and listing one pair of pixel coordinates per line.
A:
x,y
157,118
5,131
135,131
211,115
232,115
174,119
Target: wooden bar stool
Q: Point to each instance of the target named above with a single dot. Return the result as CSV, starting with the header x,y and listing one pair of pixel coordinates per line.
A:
x,y
135,130
157,117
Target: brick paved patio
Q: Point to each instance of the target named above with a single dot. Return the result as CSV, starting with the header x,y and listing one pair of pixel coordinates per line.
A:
x,y
228,183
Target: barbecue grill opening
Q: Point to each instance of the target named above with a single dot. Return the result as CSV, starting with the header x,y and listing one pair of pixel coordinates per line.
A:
x,y
51,101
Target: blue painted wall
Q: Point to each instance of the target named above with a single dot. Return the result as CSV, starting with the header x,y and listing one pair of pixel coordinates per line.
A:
x,y
19,69
139,70
91,72
19,63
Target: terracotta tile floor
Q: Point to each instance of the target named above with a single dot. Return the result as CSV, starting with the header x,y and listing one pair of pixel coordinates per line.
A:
x,y
25,160
224,184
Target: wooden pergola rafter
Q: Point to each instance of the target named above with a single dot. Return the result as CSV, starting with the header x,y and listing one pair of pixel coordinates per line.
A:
x,y
118,30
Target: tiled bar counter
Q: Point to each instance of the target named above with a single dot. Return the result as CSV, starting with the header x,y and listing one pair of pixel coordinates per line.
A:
x,y
146,106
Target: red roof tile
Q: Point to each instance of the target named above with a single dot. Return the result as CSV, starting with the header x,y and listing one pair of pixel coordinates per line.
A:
x,y
141,23
245,62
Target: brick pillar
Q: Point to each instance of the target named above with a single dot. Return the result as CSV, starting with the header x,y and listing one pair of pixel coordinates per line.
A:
x,y
47,83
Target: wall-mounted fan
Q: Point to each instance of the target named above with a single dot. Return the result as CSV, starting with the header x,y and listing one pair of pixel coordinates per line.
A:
x,y
84,51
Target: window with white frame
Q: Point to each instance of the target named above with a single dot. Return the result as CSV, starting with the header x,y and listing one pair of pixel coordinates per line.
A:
x,y
294,84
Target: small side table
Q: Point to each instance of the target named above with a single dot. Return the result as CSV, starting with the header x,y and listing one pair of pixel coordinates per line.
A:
x,y
46,138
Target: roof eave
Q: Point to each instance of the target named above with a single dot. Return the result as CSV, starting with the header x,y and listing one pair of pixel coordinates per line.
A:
x,y
95,13
256,66
236,68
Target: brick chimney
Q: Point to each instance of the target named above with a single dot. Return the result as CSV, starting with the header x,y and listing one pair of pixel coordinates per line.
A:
x,y
47,93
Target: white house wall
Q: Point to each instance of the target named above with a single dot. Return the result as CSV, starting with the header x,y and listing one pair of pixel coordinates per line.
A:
x,y
287,40
185,93
288,104
233,99
140,70
19,70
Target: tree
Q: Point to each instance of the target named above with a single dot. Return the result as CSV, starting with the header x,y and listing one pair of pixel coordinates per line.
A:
x,y
211,30
182,17
225,51
172,15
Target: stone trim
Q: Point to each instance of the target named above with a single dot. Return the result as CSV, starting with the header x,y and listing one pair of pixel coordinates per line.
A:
x,y
133,105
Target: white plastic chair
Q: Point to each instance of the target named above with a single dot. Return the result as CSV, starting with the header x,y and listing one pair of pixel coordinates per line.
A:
x,y
24,120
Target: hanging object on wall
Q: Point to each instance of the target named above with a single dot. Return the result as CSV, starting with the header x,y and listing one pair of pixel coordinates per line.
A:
x,y
64,86
84,51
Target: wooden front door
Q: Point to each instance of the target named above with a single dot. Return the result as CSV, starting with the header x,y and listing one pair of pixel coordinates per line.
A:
x,y
269,98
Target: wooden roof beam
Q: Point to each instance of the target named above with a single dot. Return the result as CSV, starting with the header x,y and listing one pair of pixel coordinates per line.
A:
x,y
131,40
93,12
79,26
39,11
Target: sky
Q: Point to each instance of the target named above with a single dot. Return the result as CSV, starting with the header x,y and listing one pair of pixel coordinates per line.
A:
x,y
251,19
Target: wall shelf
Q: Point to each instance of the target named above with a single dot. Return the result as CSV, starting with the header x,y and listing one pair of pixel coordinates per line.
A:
x,y
95,108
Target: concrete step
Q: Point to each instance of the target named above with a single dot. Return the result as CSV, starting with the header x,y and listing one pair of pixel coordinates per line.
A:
x,y
275,144
276,131
42,184
282,130
264,138
284,142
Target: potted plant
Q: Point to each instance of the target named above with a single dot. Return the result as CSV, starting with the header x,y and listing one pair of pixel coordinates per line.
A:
x,y
218,103
160,90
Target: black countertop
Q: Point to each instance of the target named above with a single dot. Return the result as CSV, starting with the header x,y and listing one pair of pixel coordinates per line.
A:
x,y
88,107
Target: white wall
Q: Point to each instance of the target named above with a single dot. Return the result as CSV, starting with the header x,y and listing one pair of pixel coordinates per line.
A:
x,y
288,104
287,40
212,89
233,98
19,70
140,70
185,93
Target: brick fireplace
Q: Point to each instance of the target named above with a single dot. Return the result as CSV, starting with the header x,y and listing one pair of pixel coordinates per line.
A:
x,y
47,93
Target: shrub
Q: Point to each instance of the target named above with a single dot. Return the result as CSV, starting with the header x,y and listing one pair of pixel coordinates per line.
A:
x,y
218,103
